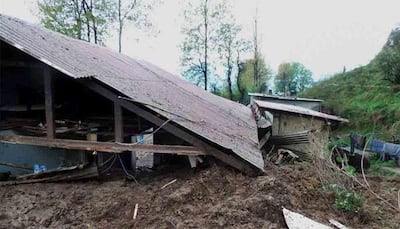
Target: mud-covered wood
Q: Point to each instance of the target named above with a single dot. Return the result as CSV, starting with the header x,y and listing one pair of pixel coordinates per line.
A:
x,y
107,147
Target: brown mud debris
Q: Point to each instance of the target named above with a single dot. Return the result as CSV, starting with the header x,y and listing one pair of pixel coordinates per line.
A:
x,y
217,197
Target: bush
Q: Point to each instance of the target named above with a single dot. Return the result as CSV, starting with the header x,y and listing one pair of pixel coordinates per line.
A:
x,y
389,62
346,200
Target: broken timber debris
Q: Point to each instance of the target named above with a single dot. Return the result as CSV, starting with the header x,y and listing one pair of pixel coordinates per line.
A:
x,y
107,147
72,173
167,184
135,211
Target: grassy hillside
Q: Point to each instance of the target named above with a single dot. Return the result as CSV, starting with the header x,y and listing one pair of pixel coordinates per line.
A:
x,y
362,95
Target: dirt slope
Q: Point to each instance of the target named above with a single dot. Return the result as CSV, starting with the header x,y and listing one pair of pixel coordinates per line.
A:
x,y
216,197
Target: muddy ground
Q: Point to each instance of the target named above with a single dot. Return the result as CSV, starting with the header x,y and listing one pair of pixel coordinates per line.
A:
x,y
214,197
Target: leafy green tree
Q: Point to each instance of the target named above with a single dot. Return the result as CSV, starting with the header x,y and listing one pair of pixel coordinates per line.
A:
x,y
292,77
200,30
82,19
246,83
242,47
62,16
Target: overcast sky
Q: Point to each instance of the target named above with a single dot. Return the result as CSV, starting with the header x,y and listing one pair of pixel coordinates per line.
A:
x,y
324,35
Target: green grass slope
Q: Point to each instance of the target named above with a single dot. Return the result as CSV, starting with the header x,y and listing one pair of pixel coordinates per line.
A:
x,y
362,95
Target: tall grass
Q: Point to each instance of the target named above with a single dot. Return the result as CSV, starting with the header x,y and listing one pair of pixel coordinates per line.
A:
x,y
363,96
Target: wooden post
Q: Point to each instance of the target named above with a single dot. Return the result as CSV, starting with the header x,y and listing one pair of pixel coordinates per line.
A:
x,y
133,154
118,123
0,95
49,102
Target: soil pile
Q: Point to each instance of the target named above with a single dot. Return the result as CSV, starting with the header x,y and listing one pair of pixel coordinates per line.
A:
x,y
216,197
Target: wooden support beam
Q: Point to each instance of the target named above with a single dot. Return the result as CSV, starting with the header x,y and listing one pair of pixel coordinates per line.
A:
x,y
49,102
106,147
204,146
118,123
264,140
20,64
1,90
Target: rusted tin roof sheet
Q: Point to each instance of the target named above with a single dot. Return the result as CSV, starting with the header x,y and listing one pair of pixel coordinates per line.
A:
x,y
297,110
284,98
229,125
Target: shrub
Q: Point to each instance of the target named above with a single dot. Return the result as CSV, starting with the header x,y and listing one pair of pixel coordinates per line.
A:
x,y
389,62
346,200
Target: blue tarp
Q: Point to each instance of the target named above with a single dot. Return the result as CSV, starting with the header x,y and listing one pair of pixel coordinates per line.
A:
x,y
377,145
385,149
392,149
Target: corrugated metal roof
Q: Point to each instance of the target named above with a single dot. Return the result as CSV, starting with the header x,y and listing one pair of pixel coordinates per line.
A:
x,y
223,122
284,98
297,110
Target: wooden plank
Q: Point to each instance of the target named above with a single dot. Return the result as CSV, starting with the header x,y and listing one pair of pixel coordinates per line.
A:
x,y
20,64
133,154
49,102
22,108
230,159
107,147
118,123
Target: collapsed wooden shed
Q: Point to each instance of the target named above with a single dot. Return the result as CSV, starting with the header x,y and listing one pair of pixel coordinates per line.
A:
x,y
59,92
297,128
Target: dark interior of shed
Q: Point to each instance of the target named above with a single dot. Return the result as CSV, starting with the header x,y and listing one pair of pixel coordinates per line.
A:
x,y
78,111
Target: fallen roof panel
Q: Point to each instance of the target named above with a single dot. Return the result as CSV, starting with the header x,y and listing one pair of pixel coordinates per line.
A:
x,y
285,98
229,125
297,110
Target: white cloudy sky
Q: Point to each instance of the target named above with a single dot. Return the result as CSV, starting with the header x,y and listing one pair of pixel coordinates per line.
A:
x,y
324,35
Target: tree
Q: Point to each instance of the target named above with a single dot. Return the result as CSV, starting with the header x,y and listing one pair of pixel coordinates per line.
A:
x,y
242,47
246,83
257,59
82,19
293,77
230,45
199,32
62,16
136,12
389,58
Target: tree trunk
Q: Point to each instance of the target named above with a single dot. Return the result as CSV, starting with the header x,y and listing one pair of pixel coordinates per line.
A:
x,y
205,44
78,14
229,74
93,22
120,27
241,91
85,10
230,84
256,68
